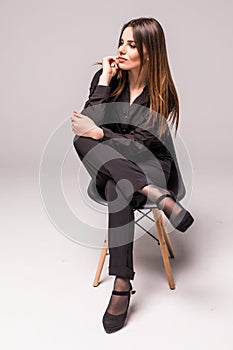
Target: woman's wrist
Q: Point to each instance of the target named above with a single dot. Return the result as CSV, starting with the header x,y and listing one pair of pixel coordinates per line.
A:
x,y
104,79
97,133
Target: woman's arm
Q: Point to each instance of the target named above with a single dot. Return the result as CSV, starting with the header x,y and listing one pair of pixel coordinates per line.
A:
x,y
102,82
98,91
86,123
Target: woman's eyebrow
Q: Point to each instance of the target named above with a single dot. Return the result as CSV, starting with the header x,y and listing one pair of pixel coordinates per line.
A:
x,y
131,41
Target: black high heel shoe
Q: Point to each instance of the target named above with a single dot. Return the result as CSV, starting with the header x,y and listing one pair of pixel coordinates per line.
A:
x,y
113,323
183,220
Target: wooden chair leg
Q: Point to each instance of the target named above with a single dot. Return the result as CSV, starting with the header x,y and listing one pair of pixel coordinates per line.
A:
x,y
163,245
166,237
101,263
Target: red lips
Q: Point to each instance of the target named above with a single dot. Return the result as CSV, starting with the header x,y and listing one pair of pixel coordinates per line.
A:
x,y
122,58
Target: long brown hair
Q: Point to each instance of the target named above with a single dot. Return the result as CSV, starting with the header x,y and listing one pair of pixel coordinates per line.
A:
x,y
162,92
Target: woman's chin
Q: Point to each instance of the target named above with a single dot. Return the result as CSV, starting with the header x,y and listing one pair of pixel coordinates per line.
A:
x,y
122,67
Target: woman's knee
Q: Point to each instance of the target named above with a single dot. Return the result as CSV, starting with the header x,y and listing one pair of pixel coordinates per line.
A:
x,y
83,144
78,142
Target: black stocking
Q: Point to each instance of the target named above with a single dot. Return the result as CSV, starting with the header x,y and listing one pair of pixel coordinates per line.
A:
x,y
170,207
118,304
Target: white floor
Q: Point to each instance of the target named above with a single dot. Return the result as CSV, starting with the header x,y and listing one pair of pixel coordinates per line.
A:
x,y
48,302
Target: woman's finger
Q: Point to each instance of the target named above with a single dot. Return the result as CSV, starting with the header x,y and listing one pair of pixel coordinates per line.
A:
x,y
110,58
75,117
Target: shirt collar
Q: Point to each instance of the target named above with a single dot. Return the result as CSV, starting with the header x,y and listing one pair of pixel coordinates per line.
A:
x,y
143,98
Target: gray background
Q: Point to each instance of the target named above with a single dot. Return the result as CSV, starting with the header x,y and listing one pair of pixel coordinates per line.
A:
x,y
47,48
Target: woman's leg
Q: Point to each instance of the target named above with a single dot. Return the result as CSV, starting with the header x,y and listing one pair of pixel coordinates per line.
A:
x,y
179,217
103,162
120,242
108,176
120,232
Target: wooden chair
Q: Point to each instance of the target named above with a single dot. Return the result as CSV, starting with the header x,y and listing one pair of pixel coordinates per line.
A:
x,y
176,186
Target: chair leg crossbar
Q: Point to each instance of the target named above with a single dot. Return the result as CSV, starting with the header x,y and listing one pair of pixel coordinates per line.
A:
x,y
143,228
163,241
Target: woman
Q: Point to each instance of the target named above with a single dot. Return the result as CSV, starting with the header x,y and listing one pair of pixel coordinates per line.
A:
x,y
139,164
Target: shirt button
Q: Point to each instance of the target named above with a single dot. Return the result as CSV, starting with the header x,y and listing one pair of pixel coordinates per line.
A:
x,y
125,116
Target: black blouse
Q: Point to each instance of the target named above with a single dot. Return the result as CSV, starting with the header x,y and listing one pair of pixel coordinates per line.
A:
x,y
124,132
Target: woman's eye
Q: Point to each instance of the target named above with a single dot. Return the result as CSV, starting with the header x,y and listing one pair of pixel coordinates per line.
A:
x,y
133,46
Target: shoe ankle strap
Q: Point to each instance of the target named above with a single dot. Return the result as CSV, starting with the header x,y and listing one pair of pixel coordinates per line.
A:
x,y
115,292
162,197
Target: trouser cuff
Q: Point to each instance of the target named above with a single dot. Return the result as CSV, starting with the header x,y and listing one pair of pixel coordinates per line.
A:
x,y
121,271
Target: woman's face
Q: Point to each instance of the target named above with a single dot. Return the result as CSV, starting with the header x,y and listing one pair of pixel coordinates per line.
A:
x,y
128,50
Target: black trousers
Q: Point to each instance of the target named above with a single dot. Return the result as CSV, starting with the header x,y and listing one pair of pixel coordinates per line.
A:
x,y
117,180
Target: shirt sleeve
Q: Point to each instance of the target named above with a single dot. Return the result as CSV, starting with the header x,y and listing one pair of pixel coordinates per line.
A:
x,y
94,107
97,93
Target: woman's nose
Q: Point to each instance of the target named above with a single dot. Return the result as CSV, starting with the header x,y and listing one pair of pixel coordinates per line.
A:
x,y
122,49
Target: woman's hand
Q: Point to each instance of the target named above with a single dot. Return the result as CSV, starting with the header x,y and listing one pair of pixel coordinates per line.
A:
x,y
110,65
110,68
84,126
